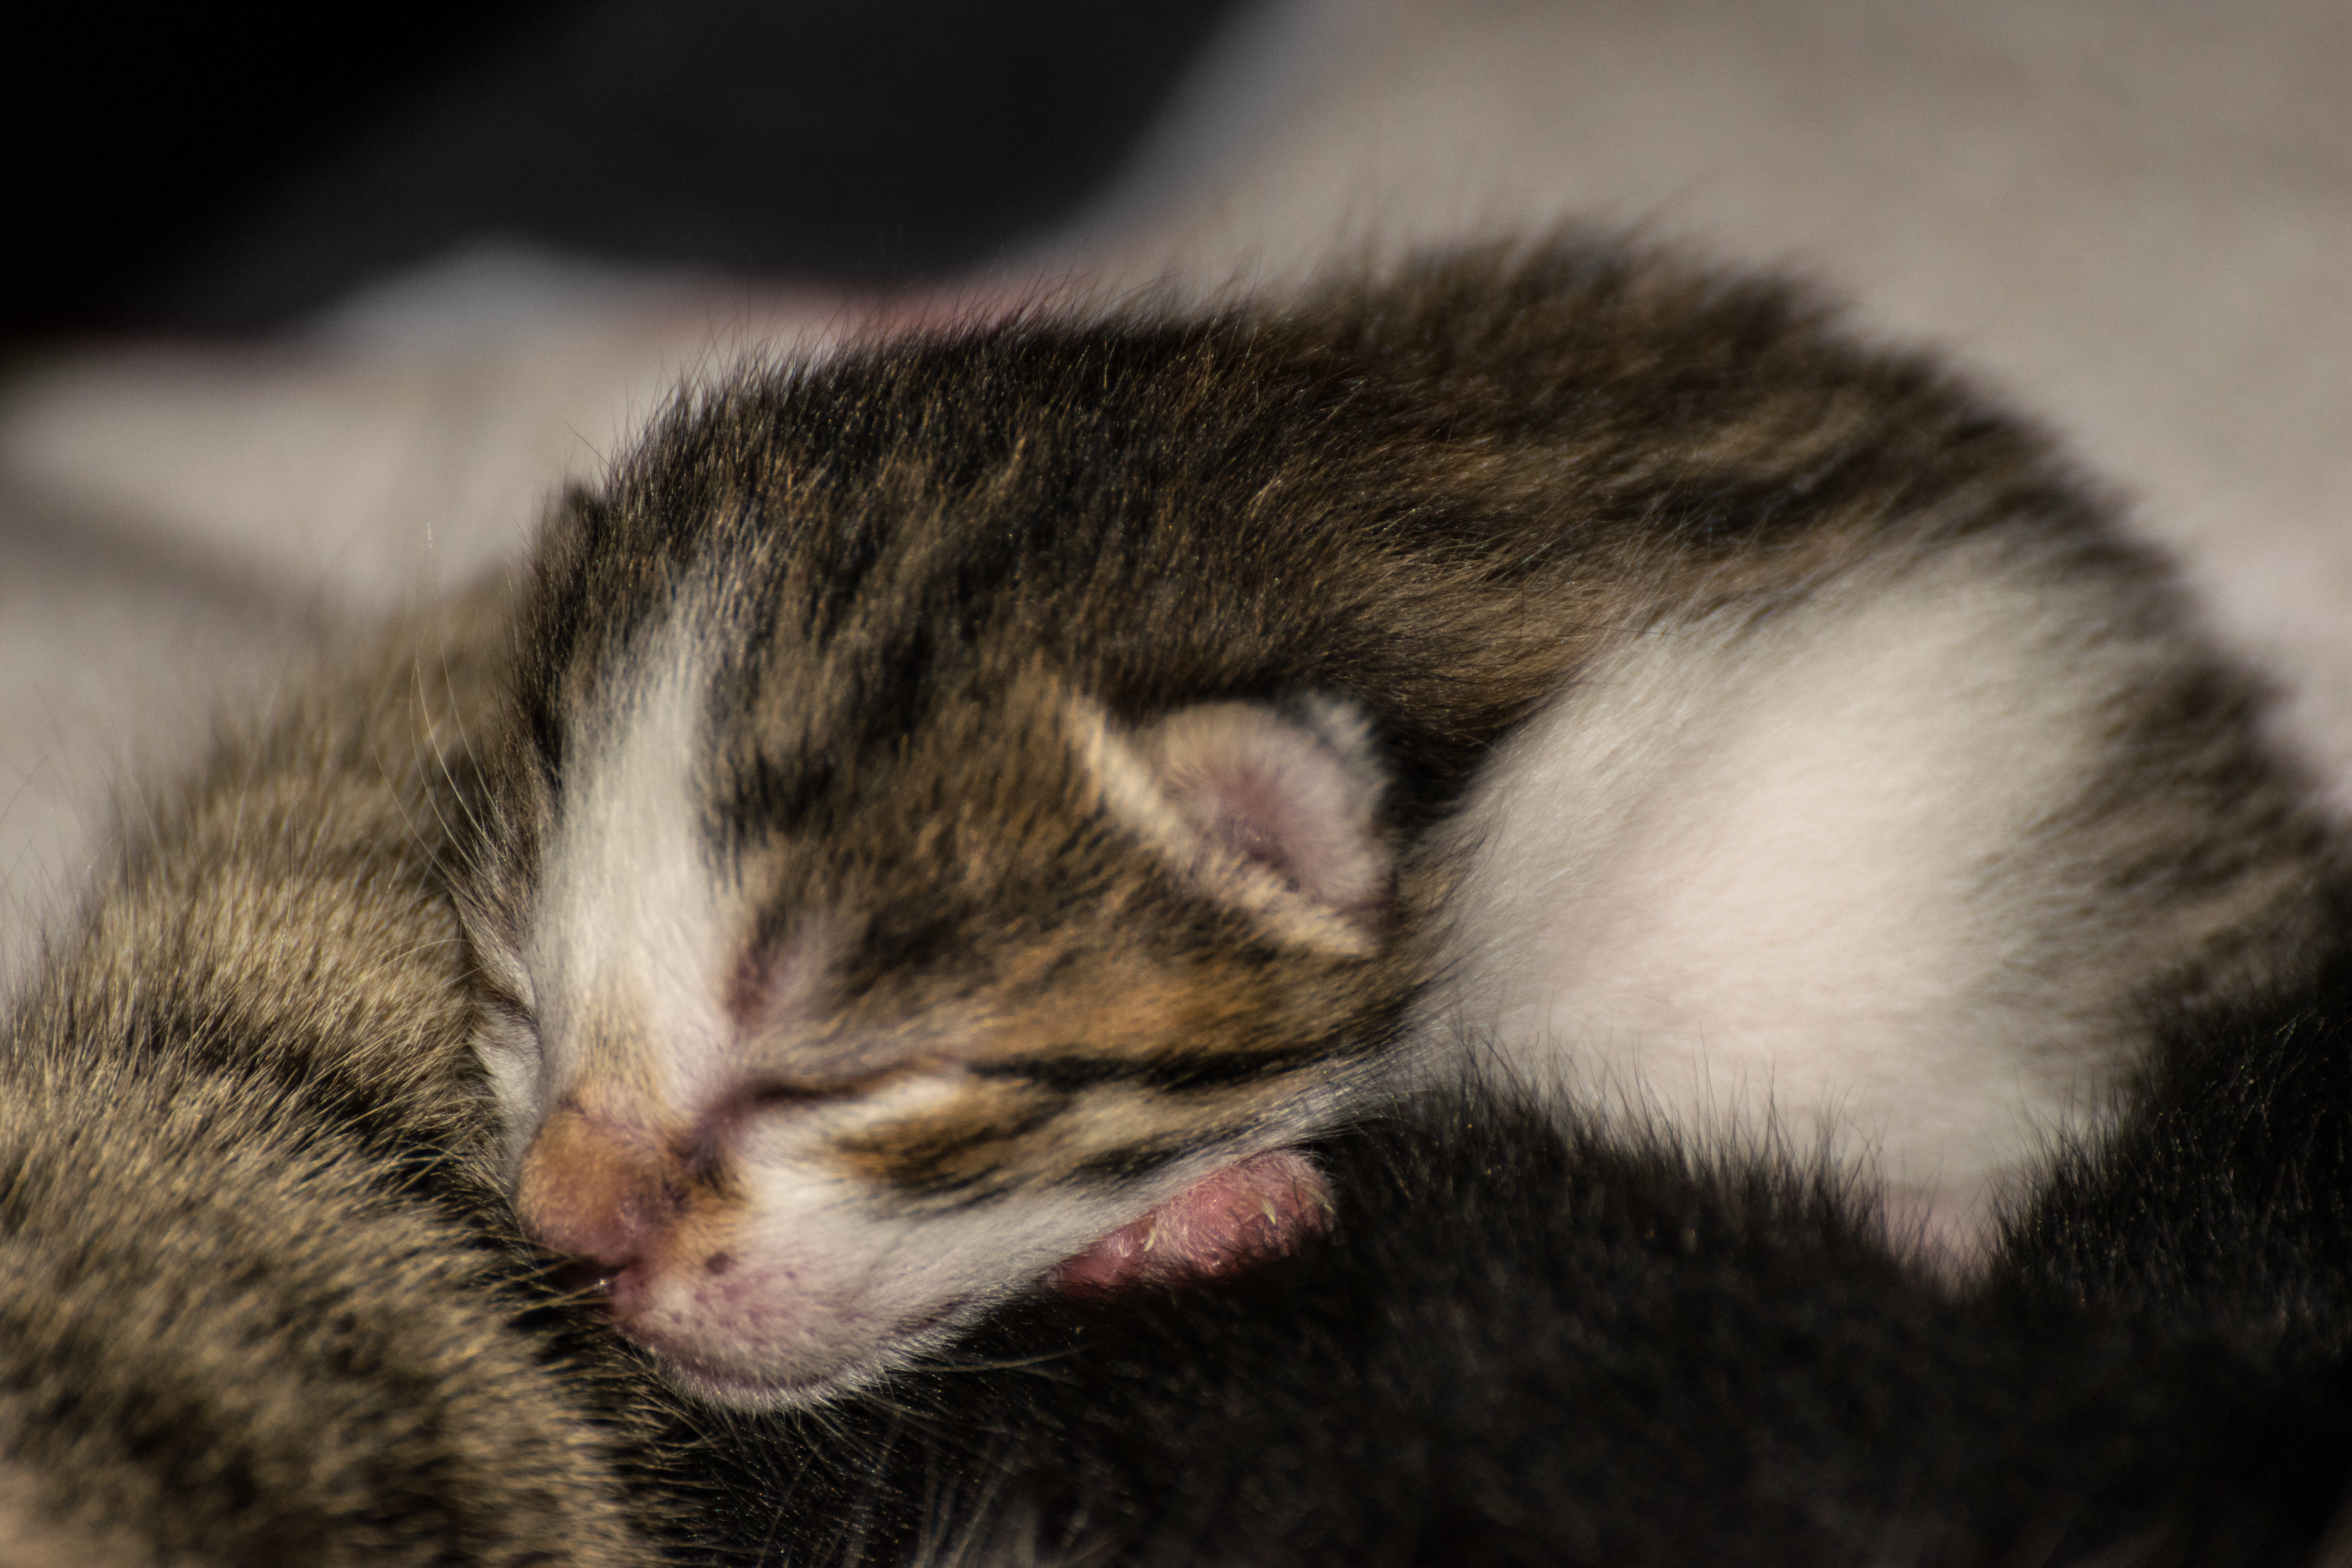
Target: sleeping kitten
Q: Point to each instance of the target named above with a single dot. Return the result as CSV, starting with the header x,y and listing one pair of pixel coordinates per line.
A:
x,y
975,806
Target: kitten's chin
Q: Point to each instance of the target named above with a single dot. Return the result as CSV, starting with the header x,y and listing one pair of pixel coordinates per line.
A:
x,y
761,1393
734,1390
747,1384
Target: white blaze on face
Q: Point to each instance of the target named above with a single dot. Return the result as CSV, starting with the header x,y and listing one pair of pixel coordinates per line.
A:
x,y
739,1245
628,908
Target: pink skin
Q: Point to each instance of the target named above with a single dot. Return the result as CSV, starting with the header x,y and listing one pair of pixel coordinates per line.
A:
x,y
1258,1209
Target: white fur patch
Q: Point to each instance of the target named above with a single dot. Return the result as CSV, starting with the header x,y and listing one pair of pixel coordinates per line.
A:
x,y
828,1294
1789,873
628,908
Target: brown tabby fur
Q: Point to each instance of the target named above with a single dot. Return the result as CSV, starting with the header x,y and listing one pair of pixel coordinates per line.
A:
x,y
245,1314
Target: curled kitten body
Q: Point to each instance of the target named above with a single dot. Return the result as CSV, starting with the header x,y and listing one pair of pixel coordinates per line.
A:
x,y
964,795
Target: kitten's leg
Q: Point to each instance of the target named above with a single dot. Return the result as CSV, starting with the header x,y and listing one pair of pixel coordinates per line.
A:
x,y
1255,1209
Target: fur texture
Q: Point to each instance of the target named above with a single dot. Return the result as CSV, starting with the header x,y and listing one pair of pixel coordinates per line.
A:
x,y
1520,1344
253,1305
259,1303
965,794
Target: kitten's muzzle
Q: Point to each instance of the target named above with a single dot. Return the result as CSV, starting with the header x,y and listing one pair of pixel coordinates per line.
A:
x,y
603,1192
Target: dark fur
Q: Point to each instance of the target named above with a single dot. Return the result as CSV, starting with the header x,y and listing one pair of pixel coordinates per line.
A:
x,y
1521,1347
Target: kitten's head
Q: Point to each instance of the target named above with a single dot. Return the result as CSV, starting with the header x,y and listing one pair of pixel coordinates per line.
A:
x,y
820,1038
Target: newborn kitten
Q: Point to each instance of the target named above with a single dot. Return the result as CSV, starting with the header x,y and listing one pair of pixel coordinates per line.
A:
x,y
973,806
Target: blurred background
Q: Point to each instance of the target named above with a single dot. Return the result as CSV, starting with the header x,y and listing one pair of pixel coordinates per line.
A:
x,y
184,168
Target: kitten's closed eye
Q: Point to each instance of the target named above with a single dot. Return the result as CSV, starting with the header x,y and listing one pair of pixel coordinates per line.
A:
x,y
778,1094
781,1096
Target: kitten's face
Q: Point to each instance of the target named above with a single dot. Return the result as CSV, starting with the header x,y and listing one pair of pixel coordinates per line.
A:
x,y
814,1090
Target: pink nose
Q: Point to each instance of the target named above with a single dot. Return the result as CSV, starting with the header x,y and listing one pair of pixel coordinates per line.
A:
x,y
599,1191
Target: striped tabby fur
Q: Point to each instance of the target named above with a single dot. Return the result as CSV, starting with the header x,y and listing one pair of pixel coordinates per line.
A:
x,y
973,804
247,1312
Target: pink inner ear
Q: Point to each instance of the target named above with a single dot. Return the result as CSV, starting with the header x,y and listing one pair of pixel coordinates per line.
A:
x,y
1254,818
1265,791
1257,1209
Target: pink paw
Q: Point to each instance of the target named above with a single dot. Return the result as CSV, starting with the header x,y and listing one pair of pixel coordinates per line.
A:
x,y
1257,1209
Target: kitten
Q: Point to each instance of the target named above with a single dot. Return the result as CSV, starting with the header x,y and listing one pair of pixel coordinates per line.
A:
x,y
252,1309
976,806
251,1317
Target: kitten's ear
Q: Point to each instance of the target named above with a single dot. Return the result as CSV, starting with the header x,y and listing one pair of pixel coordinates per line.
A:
x,y
1271,809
